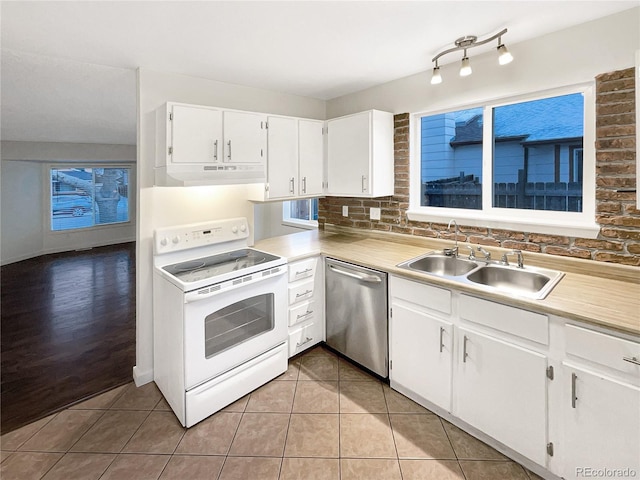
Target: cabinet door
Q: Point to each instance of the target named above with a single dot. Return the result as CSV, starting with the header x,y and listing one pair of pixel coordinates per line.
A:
x,y
501,389
311,161
421,352
349,154
601,423
244,138
196,134
282,160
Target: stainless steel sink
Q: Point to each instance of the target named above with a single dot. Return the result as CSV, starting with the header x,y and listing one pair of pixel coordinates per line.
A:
x,y
528,281
440,264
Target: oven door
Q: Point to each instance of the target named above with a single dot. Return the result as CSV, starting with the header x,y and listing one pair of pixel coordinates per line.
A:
x,y
228,327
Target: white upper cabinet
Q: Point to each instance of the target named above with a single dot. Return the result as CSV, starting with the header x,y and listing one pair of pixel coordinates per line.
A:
x,y
360,155
282,160
196,136
311,160
244,137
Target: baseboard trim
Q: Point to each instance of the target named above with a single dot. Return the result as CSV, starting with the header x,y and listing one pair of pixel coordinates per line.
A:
x,y
142,377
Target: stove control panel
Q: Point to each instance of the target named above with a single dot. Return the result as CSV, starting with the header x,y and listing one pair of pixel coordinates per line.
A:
x,y
183,237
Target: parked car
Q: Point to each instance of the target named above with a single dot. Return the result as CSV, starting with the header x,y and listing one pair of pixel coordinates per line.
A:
x,y
74,204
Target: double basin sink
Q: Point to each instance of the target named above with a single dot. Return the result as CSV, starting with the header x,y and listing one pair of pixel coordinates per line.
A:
x,y
525,281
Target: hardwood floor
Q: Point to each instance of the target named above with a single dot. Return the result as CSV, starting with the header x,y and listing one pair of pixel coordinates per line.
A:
x,y
67,331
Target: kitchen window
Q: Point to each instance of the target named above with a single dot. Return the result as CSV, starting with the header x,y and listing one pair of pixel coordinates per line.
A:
x,y
300,213
525,163
85,197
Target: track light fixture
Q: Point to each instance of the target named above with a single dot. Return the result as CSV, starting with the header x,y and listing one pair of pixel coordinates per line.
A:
x,y
464,43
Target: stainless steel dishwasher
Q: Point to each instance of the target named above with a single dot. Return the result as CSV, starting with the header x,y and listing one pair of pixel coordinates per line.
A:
x,y
356,313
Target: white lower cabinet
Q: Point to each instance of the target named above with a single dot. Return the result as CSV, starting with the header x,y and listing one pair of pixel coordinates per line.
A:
x,y
306,305
501,389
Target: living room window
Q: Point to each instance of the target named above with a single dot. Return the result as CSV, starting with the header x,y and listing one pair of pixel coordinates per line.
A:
x,y
85,197
526,160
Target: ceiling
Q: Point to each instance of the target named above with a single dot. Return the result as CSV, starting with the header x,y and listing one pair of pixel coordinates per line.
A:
x,y
68,68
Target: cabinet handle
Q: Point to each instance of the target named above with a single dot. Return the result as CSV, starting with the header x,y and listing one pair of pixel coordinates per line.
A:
x,y
306,340
291,185
633,360
306,270
229,151
306,292
304,184
441,335
215,151
364,185
303,315
574,377
464,349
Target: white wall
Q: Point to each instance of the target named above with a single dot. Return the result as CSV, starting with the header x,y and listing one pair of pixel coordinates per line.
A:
x,y
166,206
571,56
24,220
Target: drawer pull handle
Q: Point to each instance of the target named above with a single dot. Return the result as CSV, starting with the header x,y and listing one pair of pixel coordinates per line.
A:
x,y
441,335
305,314
215,151
306,270
574,377
464,349
307,340
306,292
633,360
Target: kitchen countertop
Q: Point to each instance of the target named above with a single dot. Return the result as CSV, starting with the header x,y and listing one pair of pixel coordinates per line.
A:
x,y
606,295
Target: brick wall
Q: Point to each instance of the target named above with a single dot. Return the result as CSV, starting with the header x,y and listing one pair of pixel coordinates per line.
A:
x,y
616,212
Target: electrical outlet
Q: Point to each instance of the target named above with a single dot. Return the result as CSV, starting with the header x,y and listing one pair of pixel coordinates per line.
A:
x,y
374,213
345,211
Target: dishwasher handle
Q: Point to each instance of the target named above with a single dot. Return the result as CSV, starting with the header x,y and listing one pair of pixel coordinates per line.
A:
x,y
363,278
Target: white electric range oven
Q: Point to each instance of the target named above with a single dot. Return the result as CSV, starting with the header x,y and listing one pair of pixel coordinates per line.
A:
x,y
220,316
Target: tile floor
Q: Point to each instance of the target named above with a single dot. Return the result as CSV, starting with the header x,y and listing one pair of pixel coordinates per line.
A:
x,y
322,419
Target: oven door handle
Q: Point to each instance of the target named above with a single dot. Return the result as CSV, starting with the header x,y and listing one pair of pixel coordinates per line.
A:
x,y
208,292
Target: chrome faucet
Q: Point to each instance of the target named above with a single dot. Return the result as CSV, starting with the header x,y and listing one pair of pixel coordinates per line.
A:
x,y
505,260
472,252
487,255
454,250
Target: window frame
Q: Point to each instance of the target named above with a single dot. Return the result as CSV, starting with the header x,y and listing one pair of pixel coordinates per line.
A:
x,y
48,208
296,222
578,224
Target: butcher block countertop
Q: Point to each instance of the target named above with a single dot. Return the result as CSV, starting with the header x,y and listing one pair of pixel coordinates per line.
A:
x,y
598,293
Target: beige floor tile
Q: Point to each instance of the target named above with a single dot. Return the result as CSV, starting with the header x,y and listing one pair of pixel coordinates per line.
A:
x,y
13,440
292,372
491,470
431,470
362,397
347,372
260,435
63,431
102,401
319,367
420,436
212,436
368,469
28,465
237,406
192,467
316,397
138,467
163,406
365,435
532,476
4,455
111,433
313,435
274,397
80,466
250,468
468,447
310,469
160,433
398,403
145,397
318,351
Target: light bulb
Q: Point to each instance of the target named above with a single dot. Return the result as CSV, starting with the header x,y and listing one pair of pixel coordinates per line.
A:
x,y
436,78
504,56
465,68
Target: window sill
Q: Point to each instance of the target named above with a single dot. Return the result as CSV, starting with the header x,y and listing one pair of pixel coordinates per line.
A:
x,y
302,224
577,229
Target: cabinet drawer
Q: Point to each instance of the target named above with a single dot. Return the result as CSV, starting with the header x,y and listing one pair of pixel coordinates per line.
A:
x,y
302,269
522,323
300,313
303,337
604,349
300,291
433,298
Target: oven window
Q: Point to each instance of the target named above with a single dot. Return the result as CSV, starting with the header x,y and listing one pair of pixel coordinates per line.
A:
x,y
238,323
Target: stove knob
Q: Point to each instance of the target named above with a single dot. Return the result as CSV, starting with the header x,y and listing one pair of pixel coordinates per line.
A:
x,y
234,229
175,240
164,241
243,228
